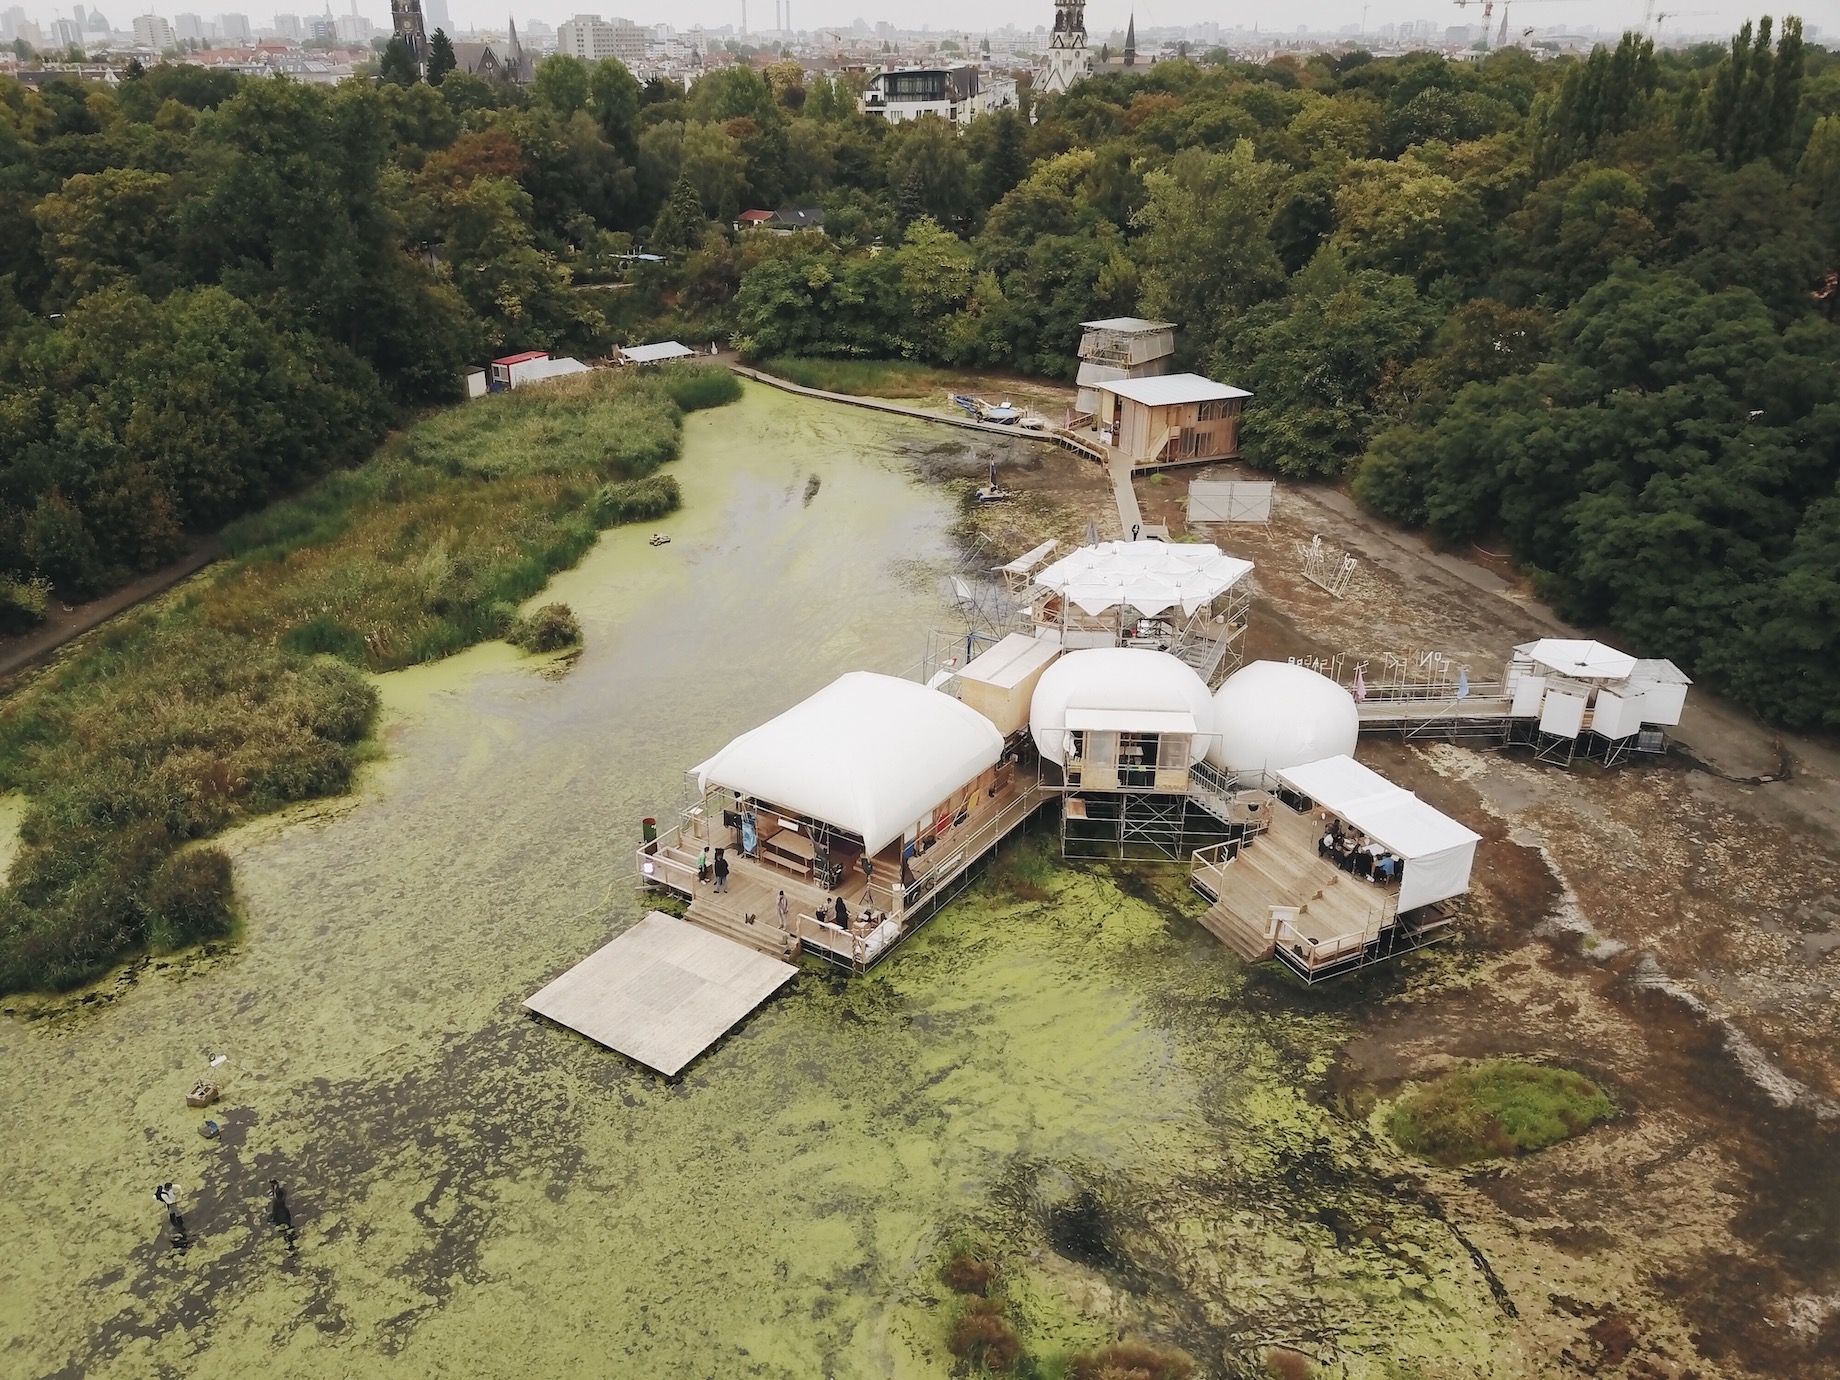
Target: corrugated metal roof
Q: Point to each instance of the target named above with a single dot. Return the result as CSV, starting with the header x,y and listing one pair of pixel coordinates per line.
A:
x,y
1169,389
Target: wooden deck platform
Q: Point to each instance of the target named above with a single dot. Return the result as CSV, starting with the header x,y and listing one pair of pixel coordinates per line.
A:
x,y
1327,913
661,993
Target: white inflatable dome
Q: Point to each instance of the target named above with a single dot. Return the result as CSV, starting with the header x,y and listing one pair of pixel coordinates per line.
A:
x,y
1135,691
1274,715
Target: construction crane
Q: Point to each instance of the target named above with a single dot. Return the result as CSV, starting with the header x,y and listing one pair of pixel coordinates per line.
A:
x,y
1488,10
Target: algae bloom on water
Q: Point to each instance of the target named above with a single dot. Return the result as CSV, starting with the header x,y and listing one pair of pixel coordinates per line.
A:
x,y
1499,1108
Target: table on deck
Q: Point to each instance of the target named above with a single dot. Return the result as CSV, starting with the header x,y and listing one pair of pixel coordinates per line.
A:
x,y
788,848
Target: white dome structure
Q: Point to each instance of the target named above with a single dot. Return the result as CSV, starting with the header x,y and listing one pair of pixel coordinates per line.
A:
x,y
1274,715
1120,689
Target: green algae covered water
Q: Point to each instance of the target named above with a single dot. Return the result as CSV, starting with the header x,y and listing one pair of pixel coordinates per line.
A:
x,y
1082,1079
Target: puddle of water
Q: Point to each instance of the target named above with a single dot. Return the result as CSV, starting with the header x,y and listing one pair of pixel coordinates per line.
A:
x,y
478,1191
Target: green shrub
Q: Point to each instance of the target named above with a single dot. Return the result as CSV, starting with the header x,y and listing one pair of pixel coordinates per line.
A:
x,y
1499,1108
22,604
1133,1361
637,500
190,899
549,629
320,634
696,386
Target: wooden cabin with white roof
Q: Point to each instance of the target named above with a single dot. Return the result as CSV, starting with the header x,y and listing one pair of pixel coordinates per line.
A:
x,y
1174,419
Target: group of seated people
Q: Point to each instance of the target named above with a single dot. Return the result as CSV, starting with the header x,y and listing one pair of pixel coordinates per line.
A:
x,y
1352,851
837,912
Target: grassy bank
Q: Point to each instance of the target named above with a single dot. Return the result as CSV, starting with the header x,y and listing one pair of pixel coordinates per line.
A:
x,y
1499,1108
247,693
867,378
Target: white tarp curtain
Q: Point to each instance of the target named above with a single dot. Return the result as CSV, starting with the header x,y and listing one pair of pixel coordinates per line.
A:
x,y
1148,576
1578,658
1437,852
869,754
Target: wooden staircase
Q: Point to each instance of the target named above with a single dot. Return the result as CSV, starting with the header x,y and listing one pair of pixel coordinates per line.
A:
x,y
1238,932
715,914
1279,869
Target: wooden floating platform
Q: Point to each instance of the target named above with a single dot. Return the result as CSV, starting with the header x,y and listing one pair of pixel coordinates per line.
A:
x,y
661,993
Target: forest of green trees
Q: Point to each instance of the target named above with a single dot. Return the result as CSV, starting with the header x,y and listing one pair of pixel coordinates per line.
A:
x,y
1582,308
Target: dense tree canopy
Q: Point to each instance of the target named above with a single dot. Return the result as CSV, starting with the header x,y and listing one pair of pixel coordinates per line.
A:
x,y
1584,306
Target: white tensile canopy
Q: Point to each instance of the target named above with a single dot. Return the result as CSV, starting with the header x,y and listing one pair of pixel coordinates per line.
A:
x,y
1148,576
1119,690
868,754
1578,658
1437,852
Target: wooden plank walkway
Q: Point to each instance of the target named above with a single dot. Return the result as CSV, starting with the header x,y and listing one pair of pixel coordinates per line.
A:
x,y
661,993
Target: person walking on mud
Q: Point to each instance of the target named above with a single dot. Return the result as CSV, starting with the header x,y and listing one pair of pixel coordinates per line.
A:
x,y
168,1195
279,1214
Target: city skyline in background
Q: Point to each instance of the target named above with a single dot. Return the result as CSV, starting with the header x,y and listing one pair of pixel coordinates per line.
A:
x,y
956,17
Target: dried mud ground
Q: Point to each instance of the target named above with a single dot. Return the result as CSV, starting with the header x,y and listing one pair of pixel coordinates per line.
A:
x,y
1670,927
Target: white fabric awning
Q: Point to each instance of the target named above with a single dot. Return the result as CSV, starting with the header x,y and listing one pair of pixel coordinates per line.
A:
x,y
869,754
1437,852
1578,658
1148,576
1131,721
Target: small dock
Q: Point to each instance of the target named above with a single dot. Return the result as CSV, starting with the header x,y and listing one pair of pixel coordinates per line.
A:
x,y
662,992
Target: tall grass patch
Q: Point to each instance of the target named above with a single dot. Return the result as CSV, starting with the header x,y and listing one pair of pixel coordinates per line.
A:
x,y
1499,1108
247,694
869,378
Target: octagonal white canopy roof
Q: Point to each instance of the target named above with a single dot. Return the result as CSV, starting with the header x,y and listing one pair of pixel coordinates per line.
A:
x,y
869,754
1578,658
1148,576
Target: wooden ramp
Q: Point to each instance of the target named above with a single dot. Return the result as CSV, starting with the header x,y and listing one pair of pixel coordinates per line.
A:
x,y
663,992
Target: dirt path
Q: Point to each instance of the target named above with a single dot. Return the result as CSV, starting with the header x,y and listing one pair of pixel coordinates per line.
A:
x,y
66,623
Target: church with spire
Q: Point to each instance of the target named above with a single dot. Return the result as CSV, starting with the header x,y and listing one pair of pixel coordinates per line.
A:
x,y
1069,60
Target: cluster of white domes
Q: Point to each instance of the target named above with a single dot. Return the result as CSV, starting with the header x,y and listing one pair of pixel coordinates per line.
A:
x,y
1268,716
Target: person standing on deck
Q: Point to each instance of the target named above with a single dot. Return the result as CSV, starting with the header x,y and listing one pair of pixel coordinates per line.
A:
x,y
843,913
785,912
702,864
721,871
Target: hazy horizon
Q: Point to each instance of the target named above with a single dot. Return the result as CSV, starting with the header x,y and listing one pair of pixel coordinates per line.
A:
x,y
964,16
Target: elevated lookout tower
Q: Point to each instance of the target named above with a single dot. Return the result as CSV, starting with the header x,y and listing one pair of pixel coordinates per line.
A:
x,y
1123,347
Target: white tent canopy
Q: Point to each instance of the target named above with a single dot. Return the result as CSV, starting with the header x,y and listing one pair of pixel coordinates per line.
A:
x,y
1148,576
1123,690
868,754
1578,658
1437,852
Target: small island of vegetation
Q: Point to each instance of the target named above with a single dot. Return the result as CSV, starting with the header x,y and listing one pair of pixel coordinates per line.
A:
x,y
1496,1109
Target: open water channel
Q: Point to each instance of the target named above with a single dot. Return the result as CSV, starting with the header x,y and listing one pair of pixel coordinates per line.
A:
x,y
1086,1079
